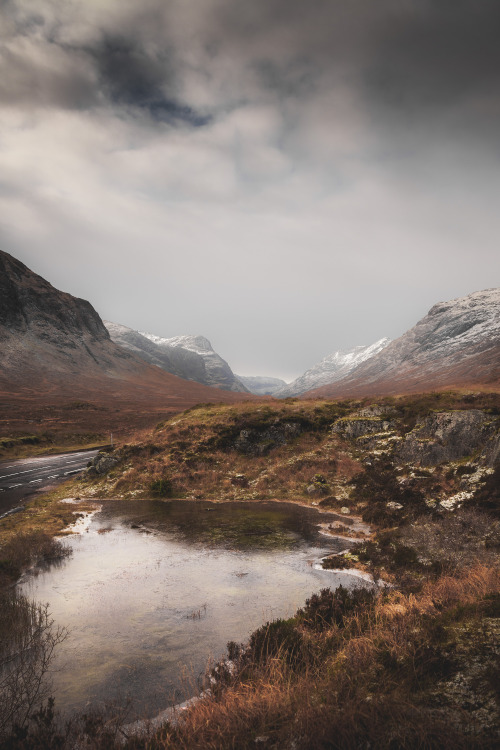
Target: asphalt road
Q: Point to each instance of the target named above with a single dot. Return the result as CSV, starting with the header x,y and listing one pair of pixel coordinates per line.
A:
x,y
25,477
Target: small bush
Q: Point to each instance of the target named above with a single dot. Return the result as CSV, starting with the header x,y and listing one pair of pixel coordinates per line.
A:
x,y
336,562
329,607
161,487
25,549
277,639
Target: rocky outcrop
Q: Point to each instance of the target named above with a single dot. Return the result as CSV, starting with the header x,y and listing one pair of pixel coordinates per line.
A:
x,y
456,343
101,464
355,427
449,436
255,442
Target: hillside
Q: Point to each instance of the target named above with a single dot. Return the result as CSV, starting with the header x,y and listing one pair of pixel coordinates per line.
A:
x,y
457,344
60,370
189,357
412,488
331,369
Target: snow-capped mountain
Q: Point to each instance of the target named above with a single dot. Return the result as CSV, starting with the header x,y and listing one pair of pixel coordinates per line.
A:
x,y
456,344
261,385
332,368
55,349
189,357
217,371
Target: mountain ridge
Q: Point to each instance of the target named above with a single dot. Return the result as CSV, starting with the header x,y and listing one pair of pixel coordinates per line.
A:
x,y
331,368
457,344
55,349
190,357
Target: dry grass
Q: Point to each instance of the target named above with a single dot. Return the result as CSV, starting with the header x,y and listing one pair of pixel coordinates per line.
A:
x,y
197,453
366,683
25,549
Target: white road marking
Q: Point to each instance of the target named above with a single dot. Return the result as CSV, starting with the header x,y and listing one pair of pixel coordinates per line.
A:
x,y
13,486
54,476
28,471
35,480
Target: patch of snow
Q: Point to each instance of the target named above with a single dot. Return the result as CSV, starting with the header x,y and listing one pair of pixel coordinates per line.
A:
x,y
332,368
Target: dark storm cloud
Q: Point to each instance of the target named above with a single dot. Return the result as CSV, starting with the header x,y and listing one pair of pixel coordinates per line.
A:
x,y
41,66
130,75
127,73
406,59
438,56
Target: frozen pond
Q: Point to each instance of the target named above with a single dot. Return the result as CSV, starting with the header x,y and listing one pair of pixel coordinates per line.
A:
x,y
154,590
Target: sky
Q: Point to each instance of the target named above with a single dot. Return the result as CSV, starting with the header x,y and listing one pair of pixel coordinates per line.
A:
x,y
286,178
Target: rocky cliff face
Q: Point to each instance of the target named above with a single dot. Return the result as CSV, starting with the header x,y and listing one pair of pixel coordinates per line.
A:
x,y
29,305
176,360
210,368
45,330
456,343
55,346
332,368
450,436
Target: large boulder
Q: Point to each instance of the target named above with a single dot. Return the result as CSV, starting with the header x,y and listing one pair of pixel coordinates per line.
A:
x,y
255,442
448,436
101,464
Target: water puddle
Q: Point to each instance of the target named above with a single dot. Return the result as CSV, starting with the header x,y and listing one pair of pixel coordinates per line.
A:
x,y
155,589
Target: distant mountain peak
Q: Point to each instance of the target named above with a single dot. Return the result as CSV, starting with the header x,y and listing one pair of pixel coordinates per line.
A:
x,y
456,343
198,344
189,357
333,367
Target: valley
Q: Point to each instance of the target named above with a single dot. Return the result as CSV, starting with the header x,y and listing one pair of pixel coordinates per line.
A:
x,y
334,552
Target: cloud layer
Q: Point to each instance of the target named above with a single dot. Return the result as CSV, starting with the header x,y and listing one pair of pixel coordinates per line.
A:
x,y
285,178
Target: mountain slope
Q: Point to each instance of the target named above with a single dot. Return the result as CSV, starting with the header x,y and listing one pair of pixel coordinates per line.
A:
x,y
55,348
332,368
210,368
456,344
181,362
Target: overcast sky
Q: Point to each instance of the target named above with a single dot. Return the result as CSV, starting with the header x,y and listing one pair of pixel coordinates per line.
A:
x,y
285,177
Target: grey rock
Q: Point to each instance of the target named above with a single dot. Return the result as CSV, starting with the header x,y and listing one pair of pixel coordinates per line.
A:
x,y
101,464
317,490
447,436
259,442
356,427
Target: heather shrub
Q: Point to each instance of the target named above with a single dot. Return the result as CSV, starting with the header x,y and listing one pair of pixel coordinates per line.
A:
x,y
277,639
161,487
329,607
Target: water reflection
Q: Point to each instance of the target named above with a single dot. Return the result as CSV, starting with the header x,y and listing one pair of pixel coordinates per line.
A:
x,y
154,589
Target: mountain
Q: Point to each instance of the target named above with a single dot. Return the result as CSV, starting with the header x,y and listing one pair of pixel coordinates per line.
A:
x,y
200,361
54,348
191,362
261,385
332,368
457,344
